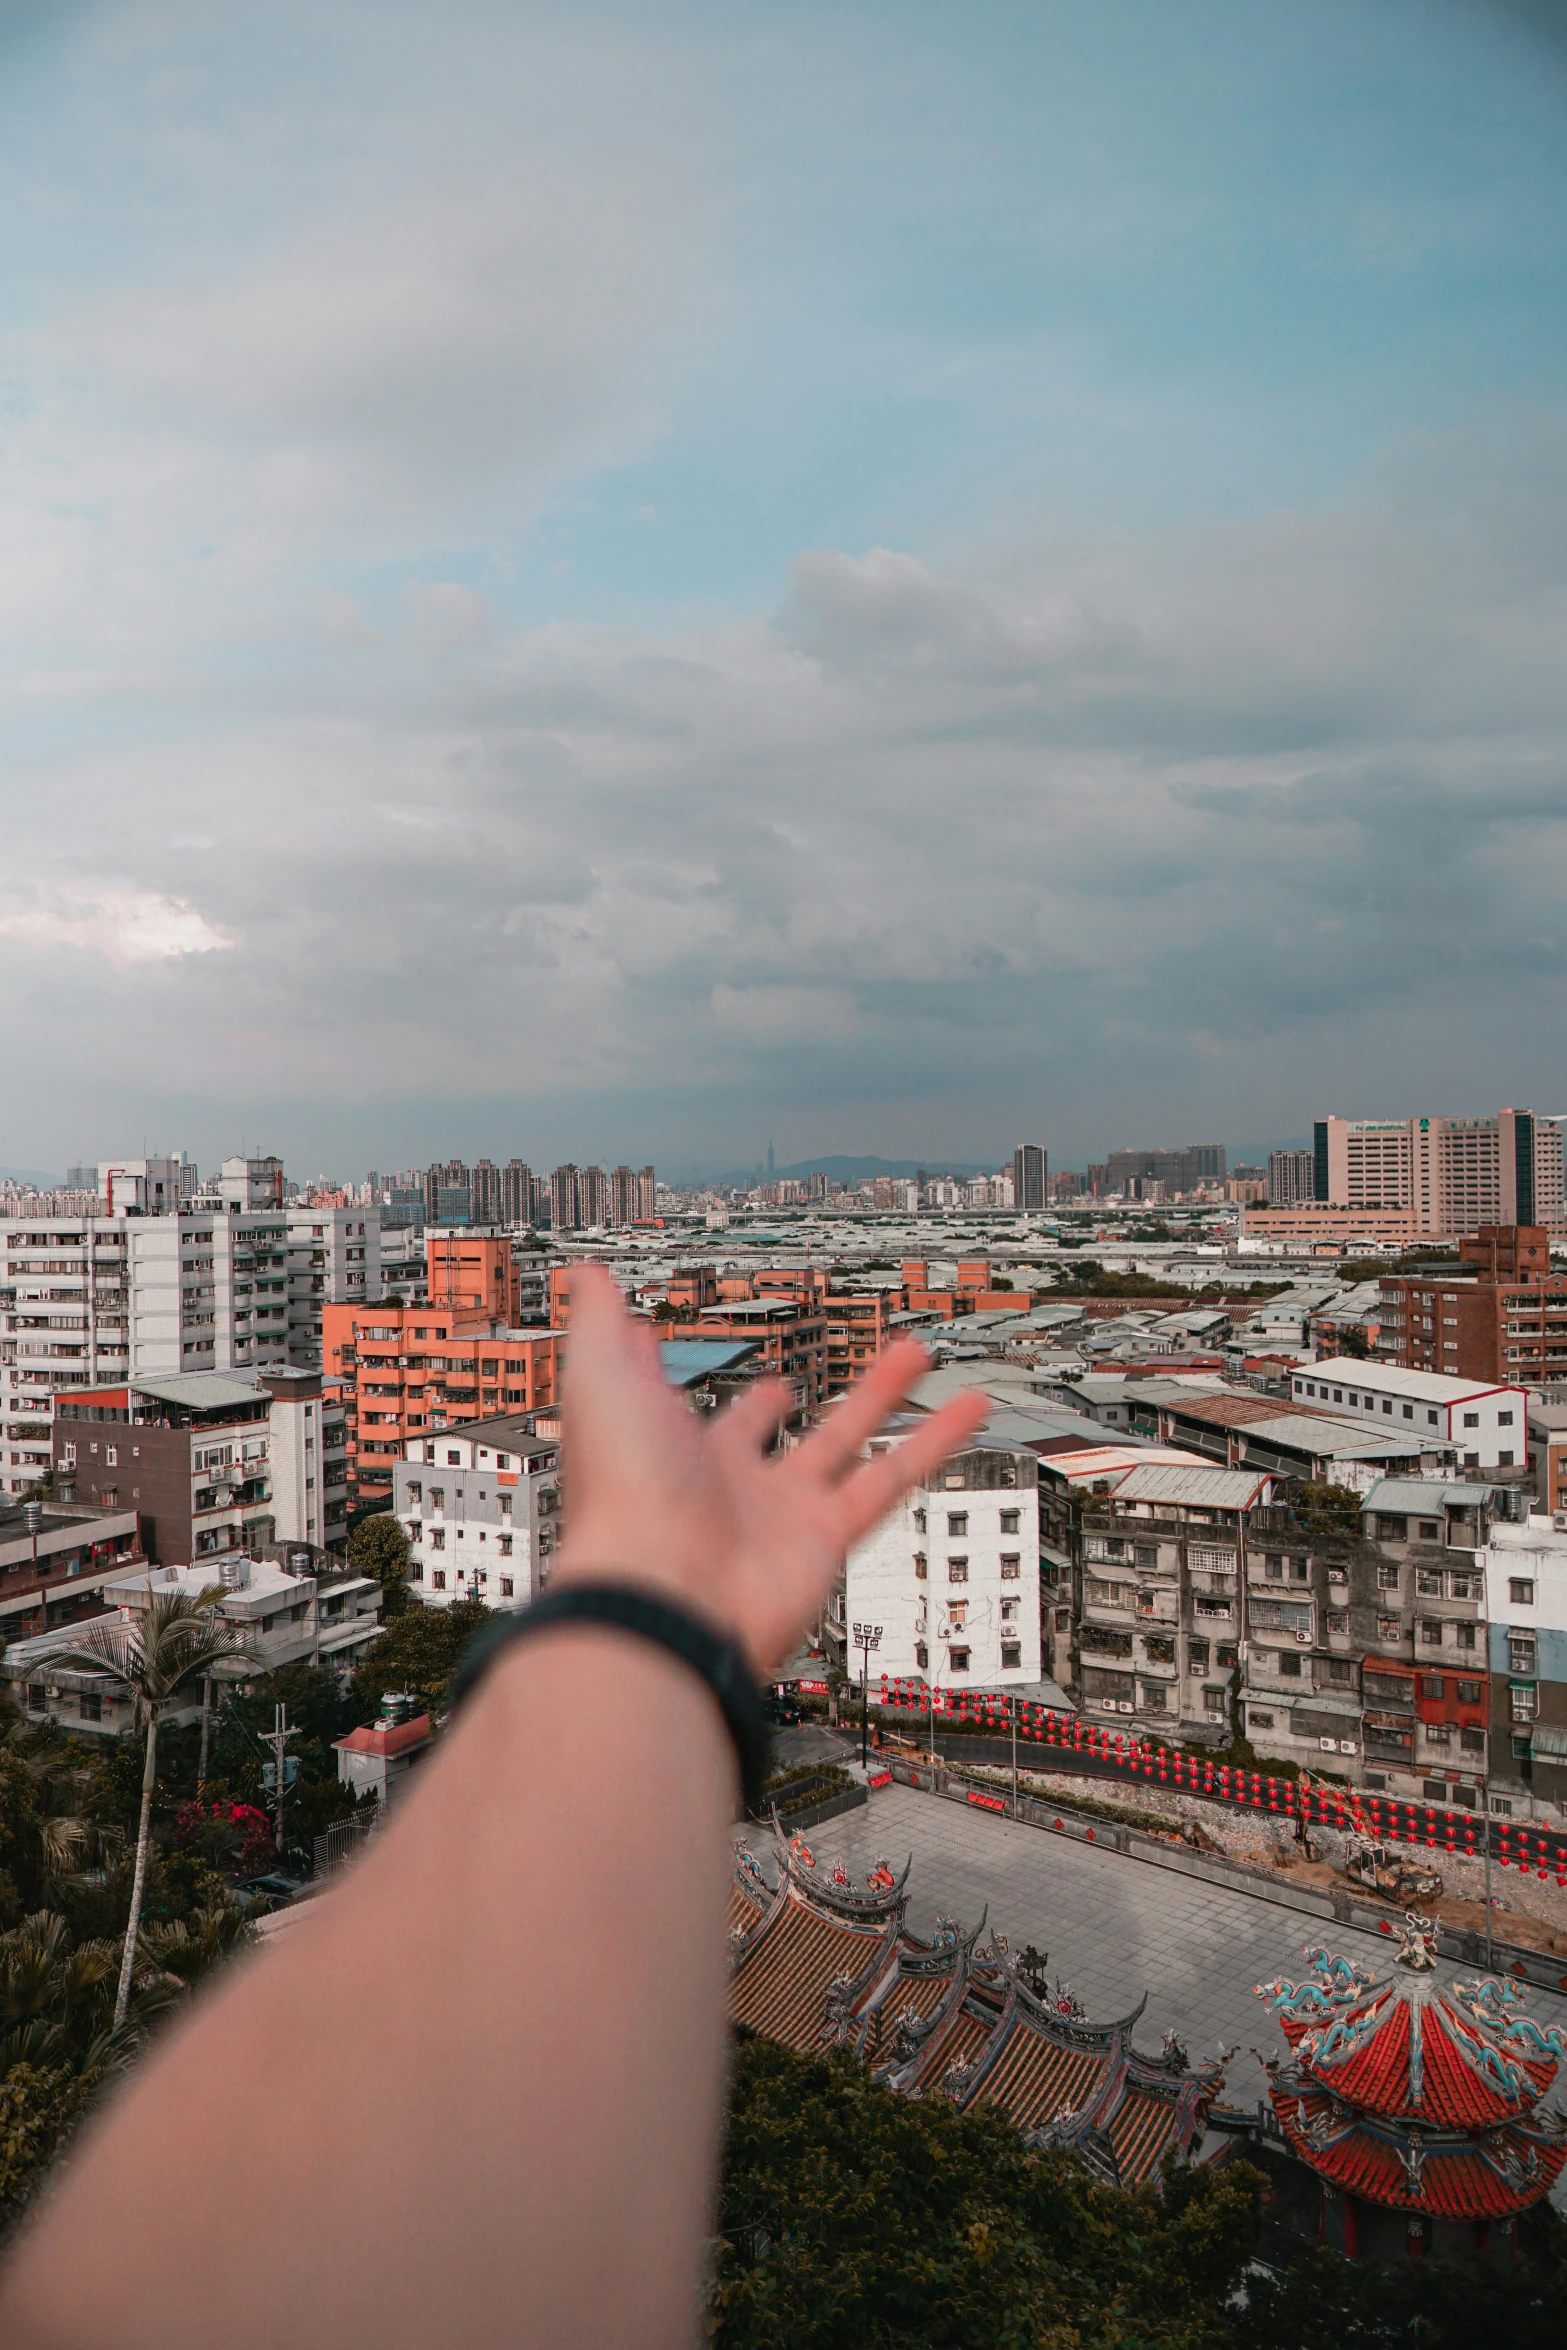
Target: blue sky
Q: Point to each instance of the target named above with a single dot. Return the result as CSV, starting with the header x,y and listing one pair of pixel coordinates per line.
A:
x,y
636,580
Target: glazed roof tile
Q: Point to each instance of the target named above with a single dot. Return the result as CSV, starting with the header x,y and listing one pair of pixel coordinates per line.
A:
x,y
1484,2178
781,1990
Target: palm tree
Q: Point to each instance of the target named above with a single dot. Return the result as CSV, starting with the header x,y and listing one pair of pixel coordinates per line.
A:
x,y
173,1641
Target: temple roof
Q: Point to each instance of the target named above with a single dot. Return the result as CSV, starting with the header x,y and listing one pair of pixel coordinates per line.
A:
x,y
819,1963
1414,2097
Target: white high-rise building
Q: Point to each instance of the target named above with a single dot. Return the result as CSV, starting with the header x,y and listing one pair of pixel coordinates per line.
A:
x,y
89,1301
334,1259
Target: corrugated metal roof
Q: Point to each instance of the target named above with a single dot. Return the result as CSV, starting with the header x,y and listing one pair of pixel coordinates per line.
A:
x,y
1340,1440
1392,1379
1214,1488
1399,1495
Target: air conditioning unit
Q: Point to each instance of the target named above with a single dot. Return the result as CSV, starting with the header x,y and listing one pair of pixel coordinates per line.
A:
x,y
1304,1636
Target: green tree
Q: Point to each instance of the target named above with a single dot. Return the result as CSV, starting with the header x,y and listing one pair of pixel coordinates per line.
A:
x,y
418,1652
174,1641
850,2215
379,1547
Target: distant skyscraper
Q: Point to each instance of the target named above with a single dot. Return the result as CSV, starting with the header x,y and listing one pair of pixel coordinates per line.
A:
x,y
516,1194
1030,1171
593,1196
647,1195
486,1192
1291,1177
565,1200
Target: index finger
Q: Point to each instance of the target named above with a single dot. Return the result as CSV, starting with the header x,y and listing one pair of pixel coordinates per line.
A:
x,y
884,1479
836,1445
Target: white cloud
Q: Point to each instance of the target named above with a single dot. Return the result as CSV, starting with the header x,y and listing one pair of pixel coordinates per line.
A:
x,y
115,920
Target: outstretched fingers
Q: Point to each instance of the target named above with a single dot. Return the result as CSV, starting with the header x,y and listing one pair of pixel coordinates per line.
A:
x,y
842,1436
867,1496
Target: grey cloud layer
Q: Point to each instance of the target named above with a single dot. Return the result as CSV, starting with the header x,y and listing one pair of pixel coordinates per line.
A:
x,y
1207,823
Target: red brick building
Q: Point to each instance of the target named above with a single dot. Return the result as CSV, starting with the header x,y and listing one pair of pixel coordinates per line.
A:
x,y
1507,1324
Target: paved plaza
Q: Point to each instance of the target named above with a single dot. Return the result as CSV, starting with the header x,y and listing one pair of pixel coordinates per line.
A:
x,y
1114,1926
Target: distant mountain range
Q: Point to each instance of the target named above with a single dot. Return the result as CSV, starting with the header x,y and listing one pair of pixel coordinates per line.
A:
x,y
31,1175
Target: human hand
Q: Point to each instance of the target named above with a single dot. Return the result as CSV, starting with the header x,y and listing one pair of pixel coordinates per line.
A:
x,y
700,1511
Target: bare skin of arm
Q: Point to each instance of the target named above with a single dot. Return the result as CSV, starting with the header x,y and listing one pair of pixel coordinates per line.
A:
x,y
475,2096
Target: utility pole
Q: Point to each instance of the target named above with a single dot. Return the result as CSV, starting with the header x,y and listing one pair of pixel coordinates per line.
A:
x,y
278,1739
206,1730
1012,1706
866,1637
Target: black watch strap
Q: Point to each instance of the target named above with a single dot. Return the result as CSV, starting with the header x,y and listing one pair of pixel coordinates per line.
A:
x,y
712,1656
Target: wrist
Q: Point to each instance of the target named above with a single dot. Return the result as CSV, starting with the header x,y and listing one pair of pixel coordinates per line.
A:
x,y
665,1624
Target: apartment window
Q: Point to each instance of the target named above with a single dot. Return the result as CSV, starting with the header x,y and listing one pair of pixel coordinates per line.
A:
x,y
508,1588
1520,1652
921,1567
1472,1741
1439,1734
1275,1570
1389,1628
957,1570
1430,1531
1524,1700
957,1523
1297,1570
958,1659
1011,1656
1504,1460
1011,1566
503,1544
1229,1655
92,1707
1387,1577
111,1457
454,1460
415,1490
1470,1692
1289,1663
919,1521
1428,1582
1338,1620
1197,1656
1431,1419
1471,1419
1432,1685
1010,1521
437,1497
1340,1671
1431,1631
1504,1419
437,1537
1258,1719
1214,1703
1520,1590
438,1579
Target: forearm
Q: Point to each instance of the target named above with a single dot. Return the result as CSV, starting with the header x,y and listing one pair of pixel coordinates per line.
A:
x,y
506,2027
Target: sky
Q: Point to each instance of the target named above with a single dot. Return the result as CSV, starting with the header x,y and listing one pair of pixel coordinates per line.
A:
x,y
631,582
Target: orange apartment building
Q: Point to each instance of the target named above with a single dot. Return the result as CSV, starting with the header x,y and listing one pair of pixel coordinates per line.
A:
x,y
973,1294
408,1369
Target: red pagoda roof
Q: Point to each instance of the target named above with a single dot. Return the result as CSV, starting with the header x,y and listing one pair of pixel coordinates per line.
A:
x,y
1414,2097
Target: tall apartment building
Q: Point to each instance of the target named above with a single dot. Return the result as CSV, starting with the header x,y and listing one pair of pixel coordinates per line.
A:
x,y
633,1196
1451,1174
565,1209
1525,1568
334,1258
1292,1177
410,1370
485,1192
448,1192
90,1298
516,1195
592,1198
1030,1178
